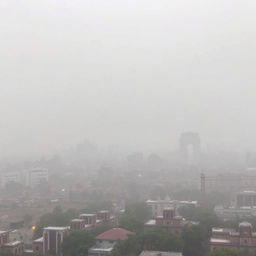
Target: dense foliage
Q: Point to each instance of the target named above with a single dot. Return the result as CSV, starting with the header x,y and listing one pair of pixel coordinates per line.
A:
x,y
78,242
57,217
134,217
193,241
155,240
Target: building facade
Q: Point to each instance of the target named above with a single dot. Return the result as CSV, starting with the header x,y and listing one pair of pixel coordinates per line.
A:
x,y
243,207
77,224
14,248
157,206
168,221
10,247
37,176
9,177
240,239
53,238
90,221
4,237
38,246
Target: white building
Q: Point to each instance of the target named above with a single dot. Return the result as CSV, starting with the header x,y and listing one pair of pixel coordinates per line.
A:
x,y
36,176
157,206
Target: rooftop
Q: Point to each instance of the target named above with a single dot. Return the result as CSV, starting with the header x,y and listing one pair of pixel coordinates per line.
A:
x,y
29,251
220,241
222,230
170,202
39,240
77,220
114,234
57,228
245,224
87,214
157,253
151,223
14,243
103,247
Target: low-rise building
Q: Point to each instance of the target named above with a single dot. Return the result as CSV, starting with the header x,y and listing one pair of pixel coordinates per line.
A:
x,y
107,218
38,246
168,221
14,248
94,220
106,241
243,238
77,224
4,237
53,238
90,220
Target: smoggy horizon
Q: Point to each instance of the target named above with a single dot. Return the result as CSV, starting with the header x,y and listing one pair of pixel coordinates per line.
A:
x,y
134,74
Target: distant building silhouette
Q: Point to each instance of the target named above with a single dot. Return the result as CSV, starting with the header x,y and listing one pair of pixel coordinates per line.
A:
x,y
189,139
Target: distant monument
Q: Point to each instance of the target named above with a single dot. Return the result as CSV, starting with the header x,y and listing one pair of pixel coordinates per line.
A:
x,y
186,140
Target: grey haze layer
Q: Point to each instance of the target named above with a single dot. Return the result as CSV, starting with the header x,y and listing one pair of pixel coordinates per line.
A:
x,y
133,73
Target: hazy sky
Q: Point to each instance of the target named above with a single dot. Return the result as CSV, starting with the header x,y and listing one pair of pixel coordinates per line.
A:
x,y
127,72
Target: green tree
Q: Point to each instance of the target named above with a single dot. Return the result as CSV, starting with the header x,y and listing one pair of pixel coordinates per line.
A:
x,y
134,217
57,217
195,240
77,243
156,240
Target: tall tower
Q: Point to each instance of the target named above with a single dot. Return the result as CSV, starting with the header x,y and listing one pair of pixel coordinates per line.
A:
x,y
202,183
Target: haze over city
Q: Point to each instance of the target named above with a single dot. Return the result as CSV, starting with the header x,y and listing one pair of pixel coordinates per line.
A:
x,y
134,74
127,128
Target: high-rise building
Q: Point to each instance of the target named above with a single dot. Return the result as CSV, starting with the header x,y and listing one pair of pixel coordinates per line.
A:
x,y
9,177
37,176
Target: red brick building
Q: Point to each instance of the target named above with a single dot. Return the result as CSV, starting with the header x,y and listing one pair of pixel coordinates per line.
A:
x,y
243,238
106,241
169,221
90,221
